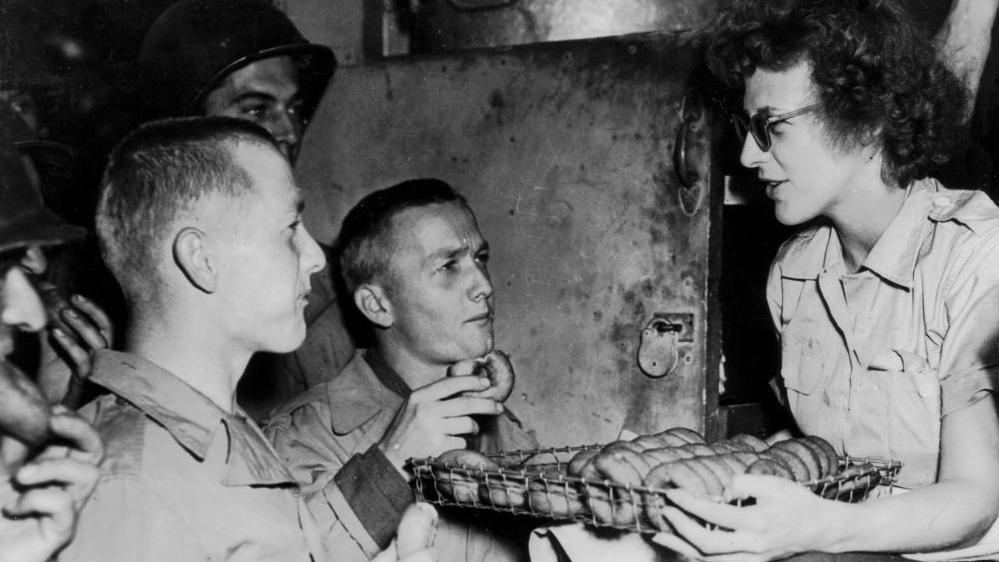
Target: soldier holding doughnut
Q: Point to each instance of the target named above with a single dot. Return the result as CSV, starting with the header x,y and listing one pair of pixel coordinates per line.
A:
x,y
415,264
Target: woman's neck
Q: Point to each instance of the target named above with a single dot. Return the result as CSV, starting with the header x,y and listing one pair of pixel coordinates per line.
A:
x,y
860,223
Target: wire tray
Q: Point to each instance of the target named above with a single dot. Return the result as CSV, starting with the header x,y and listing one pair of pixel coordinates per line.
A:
x,y
534,483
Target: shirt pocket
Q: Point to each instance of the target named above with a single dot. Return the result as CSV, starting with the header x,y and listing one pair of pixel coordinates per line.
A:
x,y
907,374
803,366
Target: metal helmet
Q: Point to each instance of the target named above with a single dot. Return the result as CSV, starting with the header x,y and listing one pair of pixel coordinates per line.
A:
x,y
195,44
24,219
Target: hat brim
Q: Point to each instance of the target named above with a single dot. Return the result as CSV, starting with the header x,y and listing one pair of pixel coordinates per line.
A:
x,y
322,64
50,158
42,228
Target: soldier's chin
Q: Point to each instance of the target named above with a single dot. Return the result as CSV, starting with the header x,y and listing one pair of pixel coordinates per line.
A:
x,y
483,347
289,344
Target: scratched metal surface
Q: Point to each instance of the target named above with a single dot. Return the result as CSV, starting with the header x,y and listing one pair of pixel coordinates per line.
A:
x,y
564,151
440,25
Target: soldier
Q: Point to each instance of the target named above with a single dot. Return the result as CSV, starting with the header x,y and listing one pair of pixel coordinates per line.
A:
x,y
199,219
245,59
81,326
39,499
240,58
415,263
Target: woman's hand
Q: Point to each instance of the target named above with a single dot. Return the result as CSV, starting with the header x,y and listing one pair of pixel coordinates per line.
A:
x,y
786,519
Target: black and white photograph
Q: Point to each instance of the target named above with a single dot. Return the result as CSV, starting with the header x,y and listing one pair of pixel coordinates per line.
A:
x,y
499,280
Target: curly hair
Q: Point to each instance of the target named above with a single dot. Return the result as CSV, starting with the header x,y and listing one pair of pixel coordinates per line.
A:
x,y
875,73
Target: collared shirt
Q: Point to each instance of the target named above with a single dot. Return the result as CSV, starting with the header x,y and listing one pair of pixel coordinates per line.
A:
x,y
873,360
328,437
183,479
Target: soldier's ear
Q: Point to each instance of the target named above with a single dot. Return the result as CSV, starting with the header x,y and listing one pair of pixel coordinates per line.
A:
x,y
192,256
374,304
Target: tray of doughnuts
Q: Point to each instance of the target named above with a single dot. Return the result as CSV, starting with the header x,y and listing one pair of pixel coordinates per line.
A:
x,y
623,484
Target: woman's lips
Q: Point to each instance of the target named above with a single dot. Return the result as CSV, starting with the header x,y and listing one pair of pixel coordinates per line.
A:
x,y
772,187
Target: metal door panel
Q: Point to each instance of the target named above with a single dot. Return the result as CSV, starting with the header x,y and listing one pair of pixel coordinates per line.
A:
x,y
565,152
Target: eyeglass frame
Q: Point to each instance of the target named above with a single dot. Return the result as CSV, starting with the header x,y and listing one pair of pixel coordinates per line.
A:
x,y
764,123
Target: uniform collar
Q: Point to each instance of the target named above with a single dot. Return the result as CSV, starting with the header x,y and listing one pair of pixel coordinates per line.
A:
x,y
190,417
358,394
386,374
894,256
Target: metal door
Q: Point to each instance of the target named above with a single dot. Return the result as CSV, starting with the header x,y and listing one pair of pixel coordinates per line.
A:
x,y
566,153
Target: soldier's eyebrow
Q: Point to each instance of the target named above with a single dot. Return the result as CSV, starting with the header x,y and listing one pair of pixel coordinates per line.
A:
x,y
448,253
253,96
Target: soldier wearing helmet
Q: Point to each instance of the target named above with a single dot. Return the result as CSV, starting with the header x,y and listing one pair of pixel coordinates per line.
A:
x,y
239,58
77,326
246,59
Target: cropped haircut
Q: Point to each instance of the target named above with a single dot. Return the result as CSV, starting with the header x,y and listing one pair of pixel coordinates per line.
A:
x,y
365,244
875,72
157,172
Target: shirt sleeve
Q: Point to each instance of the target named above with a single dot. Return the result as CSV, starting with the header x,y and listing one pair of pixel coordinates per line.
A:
x,y
376,492
969,354
322,462
124,520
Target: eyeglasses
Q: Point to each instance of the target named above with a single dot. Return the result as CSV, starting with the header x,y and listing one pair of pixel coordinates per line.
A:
x,y
760,123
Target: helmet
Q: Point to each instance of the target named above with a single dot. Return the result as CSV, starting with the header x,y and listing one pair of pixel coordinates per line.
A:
x,y
24,219
195,44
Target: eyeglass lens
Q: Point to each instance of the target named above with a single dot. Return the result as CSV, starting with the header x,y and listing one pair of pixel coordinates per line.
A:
x,y
756,125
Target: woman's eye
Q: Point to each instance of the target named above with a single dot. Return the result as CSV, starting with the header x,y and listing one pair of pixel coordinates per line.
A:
x,y
482,258
447,266
777,127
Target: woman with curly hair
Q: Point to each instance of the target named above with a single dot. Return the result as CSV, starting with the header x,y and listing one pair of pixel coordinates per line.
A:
x,y
886,301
